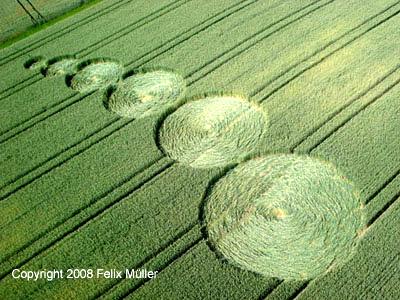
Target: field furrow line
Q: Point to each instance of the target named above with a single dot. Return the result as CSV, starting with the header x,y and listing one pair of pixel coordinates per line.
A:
x,y
381,87
388,204
150,55
190,247
127,29
27,82
187,247
320,55
97,207
370,223
383,186
131,27
176,246
176,41
41,116
37,11
56,161
121,184
9,57
297,292
284,290
353,114
34,21
269,290
380,201
256,38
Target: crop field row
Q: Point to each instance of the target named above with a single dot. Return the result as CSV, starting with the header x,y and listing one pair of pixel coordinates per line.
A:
x,y
81,187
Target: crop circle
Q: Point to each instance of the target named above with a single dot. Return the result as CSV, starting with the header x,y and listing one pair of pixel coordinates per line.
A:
x,y
36,63
96,75
284,216
212,132
61,67
146,93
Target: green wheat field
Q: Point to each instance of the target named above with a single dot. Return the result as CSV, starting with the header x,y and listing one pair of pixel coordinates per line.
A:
x,y
239,149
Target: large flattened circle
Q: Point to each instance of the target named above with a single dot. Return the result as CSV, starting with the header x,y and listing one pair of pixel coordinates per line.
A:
x,y
146,93
213,132
284,216
96,75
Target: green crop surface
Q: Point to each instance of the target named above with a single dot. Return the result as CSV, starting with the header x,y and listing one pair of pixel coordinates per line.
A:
x,y
233,149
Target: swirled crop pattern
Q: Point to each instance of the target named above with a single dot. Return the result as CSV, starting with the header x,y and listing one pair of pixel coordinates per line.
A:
x,y
65,66
146,93
284,216
212,132
96,75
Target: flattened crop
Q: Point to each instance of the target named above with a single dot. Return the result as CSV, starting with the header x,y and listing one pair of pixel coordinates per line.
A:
x,y
284,216
94,75
145,93
212,132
